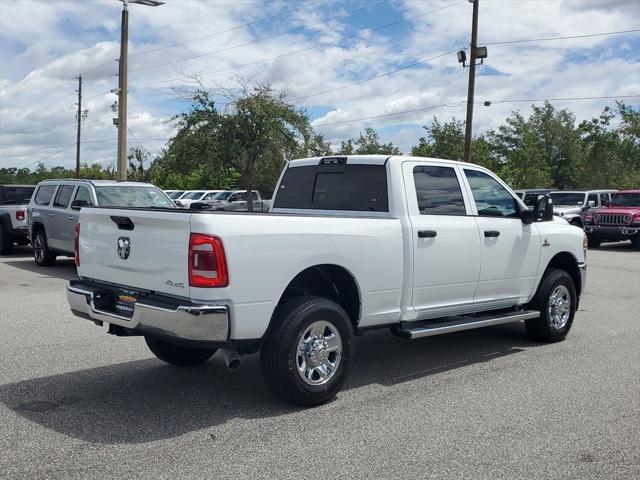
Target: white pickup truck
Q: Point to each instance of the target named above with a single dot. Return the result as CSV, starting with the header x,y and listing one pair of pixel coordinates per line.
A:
x,y
422,246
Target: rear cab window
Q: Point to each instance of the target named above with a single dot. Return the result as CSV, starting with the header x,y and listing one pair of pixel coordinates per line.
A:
x,y
10,195
334,187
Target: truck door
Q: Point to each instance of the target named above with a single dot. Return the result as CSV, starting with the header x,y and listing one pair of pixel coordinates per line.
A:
x,y
60,226
510,248
445,239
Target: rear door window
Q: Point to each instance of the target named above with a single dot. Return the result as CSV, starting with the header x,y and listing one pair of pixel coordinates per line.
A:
x,y
438,191
64,196
45,192
342,187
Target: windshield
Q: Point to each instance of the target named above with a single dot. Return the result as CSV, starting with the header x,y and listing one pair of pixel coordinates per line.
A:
x,y
626,200
193,196
175,195
222,195
568,198
128,196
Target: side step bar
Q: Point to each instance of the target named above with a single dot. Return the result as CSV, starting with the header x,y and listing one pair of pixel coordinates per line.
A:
x,y
458,324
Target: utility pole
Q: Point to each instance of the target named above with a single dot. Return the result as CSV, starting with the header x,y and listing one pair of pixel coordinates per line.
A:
x,y
79,115
472,82
122,95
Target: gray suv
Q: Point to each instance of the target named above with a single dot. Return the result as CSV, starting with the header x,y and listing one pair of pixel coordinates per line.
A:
x,y
54,208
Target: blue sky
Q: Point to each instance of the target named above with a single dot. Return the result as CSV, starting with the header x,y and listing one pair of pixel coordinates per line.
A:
x,y
321,44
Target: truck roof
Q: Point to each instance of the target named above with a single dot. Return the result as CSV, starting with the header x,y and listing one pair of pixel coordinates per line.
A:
x,y
370,160
95,182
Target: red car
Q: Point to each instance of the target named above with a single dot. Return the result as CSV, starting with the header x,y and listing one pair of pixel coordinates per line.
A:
x,y
618,221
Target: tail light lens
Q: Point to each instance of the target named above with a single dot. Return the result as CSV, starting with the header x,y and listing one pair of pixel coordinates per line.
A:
x,y
207,262
20,215
76,245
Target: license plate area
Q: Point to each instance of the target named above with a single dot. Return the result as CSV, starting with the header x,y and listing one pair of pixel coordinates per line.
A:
x,y
124,302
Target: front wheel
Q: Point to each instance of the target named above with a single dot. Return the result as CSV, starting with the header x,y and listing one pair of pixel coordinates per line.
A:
x,y
41,253
556,300
176,354
636,241
306,358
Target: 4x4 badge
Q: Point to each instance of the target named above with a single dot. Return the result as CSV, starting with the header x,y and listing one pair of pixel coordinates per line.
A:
x,y
124,247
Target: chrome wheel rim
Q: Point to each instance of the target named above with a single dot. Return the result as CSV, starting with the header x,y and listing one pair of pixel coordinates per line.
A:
x,y
38,248
318,353
559,306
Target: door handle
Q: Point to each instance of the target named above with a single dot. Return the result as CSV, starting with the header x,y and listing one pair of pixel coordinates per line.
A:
x,y
50,214
427,234
491,233
71,217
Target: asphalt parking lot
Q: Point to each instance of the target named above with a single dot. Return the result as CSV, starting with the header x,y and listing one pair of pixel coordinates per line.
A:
x,y
78,403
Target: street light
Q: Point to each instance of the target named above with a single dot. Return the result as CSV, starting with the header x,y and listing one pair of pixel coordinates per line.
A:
x,y
122,85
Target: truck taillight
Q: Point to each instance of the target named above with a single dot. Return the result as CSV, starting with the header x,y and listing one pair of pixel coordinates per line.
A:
x,y
76,245
207,262
20,215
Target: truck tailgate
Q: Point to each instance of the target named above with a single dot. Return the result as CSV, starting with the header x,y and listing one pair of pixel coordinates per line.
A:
x,y
158,244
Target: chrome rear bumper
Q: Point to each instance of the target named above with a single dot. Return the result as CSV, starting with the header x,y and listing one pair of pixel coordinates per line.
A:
x,y
170,318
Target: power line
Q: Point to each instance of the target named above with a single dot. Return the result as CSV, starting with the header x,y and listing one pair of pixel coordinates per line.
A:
x,y
302,50
569,37
374,77
268,37
430,107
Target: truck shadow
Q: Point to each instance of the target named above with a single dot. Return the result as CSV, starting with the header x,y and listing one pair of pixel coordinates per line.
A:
x,y
146,400
617,247
64,267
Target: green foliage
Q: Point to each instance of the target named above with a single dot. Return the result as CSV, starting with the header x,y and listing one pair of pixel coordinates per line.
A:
x,y
25,176
367,143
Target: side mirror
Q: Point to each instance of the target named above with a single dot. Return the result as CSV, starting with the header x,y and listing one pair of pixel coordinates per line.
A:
x,y
542,210
591,203
78,204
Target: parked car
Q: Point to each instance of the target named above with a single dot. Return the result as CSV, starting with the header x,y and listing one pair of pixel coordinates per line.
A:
x,y
529,196
233,201
573,205
13,216
616,222
195,196
54,208
423,246
175,194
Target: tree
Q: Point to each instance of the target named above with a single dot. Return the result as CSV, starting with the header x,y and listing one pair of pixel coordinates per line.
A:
x,y
367,143
137,157
446,140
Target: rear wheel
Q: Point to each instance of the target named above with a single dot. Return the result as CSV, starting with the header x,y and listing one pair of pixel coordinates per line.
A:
x,y
306,359
6,242
556,300
593,242
41,253
636,241
177,354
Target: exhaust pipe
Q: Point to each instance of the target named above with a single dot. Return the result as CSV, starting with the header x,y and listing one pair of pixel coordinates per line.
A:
x,y
231,358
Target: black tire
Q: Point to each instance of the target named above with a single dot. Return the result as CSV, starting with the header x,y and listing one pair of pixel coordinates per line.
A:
x,y
178,355
41,253
279,354
6,241
593,242
543,328
636,241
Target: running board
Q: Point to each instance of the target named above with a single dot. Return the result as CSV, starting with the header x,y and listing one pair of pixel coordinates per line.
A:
x,y
458,324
